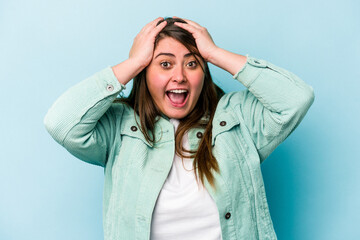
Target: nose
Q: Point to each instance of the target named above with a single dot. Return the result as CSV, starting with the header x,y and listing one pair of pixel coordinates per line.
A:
x,y
179,74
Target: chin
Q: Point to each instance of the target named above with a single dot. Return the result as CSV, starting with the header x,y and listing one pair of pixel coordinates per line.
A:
x,y
176,115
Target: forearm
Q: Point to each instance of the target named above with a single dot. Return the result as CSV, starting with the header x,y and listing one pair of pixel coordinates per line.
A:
x,y
278,89
91,97
230,62
275,104
127,70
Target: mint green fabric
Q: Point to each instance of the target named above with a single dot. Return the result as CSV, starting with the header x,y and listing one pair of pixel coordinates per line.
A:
x,y
94,129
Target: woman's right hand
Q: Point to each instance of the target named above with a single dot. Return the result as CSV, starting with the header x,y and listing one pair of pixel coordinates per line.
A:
x,y
141,52
142,49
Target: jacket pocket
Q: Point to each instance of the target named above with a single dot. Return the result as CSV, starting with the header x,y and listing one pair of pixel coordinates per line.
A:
x,y
223,122
131,129
134,147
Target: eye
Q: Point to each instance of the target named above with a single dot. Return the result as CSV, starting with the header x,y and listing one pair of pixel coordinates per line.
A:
x,y
192,64
165,64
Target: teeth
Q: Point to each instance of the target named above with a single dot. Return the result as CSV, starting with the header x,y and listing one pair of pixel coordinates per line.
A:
x,y
178,91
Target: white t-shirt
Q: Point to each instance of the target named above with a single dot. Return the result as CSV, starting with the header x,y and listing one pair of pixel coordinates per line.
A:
x,y
184,211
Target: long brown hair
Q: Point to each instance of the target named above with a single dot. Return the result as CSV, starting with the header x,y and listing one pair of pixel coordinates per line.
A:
x,y
201,116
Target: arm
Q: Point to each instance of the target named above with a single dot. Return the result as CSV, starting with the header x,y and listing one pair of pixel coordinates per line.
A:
x,y
80,119
274,104
276,100
84,119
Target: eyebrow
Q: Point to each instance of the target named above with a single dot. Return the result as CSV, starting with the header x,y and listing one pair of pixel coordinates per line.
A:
x,y
172,55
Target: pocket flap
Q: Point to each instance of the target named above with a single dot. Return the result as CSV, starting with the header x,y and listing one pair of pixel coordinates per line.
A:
x,y
130,128
223,122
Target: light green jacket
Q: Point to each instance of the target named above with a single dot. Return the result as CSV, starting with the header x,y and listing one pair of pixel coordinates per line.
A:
x,y
247,127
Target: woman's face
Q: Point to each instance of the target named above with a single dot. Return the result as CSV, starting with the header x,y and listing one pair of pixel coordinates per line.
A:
x,y
174,78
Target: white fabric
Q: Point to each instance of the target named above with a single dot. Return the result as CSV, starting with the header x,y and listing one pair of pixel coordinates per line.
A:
x,y
184,211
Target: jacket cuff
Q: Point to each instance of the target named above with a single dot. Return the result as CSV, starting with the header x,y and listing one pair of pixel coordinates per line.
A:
x,y
250,71
108,82
92,95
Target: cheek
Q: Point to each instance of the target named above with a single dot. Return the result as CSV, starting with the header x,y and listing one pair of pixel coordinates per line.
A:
x,y
198,82
156,82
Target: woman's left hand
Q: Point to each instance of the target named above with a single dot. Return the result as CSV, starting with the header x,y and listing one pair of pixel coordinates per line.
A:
x,y
204,42
222,58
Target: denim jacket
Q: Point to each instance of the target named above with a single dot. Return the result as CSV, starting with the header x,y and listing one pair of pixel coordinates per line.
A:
x,y
247,126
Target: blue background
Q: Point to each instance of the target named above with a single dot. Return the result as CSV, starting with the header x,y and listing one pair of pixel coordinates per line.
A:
x,y
46,46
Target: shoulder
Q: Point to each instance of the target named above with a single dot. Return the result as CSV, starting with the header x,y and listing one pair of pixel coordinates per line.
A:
x,y
229,108
226,109
120,111
231,100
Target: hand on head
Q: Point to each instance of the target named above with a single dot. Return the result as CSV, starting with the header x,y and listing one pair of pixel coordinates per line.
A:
x,y
204,42
143,46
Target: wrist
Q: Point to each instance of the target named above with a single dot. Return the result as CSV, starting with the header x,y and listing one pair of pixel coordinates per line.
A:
x,y
127,70
230,62
138,63
214,54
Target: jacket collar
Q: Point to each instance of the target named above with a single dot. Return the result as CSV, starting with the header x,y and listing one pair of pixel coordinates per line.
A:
x,y
164,129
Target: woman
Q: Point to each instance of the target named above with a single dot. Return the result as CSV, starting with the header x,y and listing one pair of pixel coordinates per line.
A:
x,y
181,160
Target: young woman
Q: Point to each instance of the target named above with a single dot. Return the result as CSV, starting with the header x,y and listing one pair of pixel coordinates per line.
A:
x,y
181,158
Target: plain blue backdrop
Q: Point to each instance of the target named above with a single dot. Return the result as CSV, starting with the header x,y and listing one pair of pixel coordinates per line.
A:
x,y
46,46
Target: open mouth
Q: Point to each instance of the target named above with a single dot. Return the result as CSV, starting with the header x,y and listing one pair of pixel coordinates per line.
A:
x,y
178,97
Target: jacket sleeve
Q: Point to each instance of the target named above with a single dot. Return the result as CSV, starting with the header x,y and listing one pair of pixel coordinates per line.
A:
x,y
83,119
273,105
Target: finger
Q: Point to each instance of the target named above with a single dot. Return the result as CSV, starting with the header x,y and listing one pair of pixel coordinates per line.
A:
x,y
151,24
177,17
158,28
190,22
155,22
190,28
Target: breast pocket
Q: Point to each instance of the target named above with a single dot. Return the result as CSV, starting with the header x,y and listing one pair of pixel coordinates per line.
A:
x,y
223,123
227,135
134,147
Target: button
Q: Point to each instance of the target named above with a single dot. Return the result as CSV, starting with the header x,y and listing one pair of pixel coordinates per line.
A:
x,y
222,123
110,87
199,134
258,63
227,215
133,128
